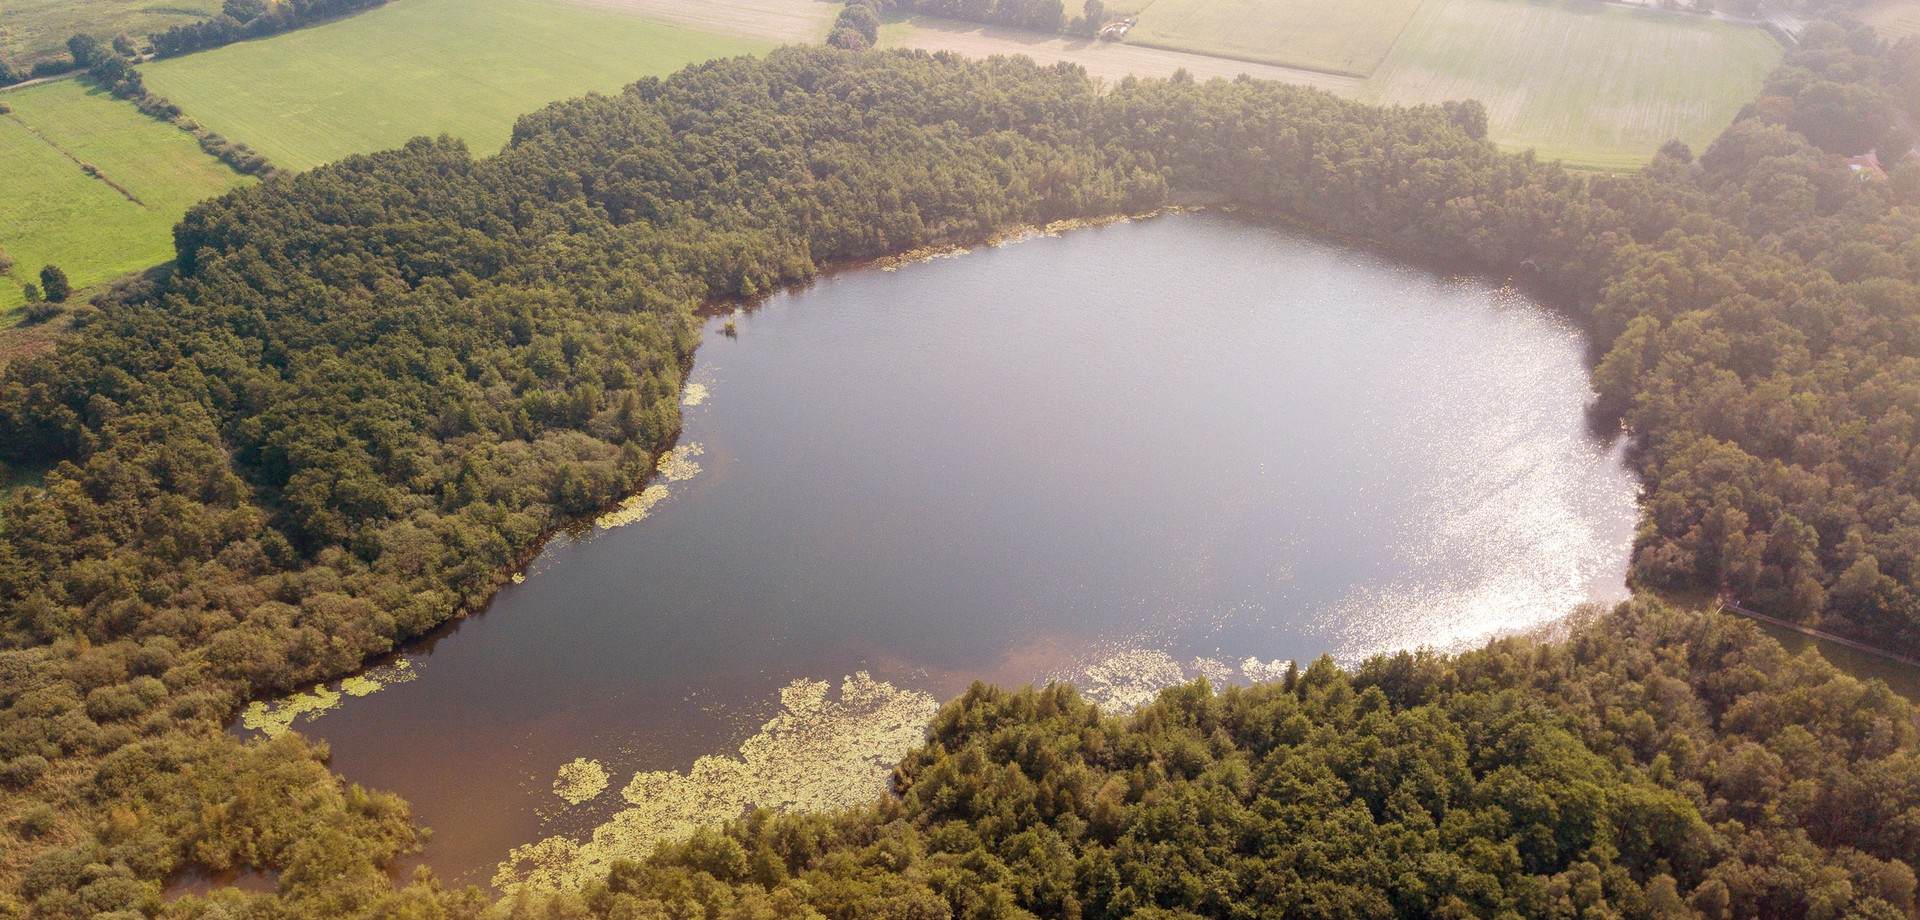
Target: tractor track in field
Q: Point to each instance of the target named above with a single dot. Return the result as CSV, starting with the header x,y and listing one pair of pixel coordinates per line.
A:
x,y
85,167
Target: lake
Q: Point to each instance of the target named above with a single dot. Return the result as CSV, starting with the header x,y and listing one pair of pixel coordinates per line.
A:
x,y
1124,456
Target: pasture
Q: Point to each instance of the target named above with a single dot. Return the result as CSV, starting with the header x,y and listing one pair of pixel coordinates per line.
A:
x,y
1345,38
36,30
1594,85
52,211
461,67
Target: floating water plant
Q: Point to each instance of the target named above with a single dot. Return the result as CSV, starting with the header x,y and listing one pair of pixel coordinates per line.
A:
x,y
634,508
580,780
817,753
276,717
677,465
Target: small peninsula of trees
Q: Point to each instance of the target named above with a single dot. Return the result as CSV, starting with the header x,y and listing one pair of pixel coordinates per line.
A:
x,y
366,392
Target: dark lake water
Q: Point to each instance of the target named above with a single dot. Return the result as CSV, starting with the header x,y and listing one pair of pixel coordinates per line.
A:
x,y
1122,455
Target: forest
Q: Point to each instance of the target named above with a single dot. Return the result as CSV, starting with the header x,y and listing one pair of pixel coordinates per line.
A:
x,y
364,394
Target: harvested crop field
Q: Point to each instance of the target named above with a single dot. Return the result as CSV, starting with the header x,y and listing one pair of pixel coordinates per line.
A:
x,y
1110,61
1596,86
1896,19
1342,37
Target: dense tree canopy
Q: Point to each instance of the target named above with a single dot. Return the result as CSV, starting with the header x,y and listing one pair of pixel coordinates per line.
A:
x,y
1660,765
365,393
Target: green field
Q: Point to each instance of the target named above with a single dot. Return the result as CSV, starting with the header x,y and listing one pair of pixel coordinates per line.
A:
x,y
462,67
35,30
1344,37
1597,86
51,211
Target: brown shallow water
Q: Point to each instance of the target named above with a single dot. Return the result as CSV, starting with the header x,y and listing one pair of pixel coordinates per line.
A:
x,y
1123,456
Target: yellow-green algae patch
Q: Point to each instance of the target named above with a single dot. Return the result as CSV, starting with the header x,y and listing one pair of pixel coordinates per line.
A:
x,y
693,394
817,753
1129,678
677,464
274,718
634,508
580,780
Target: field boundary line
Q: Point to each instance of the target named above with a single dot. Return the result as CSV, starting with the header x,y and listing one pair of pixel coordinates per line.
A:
x,y
1248,59
1397,36
91,170
1724,606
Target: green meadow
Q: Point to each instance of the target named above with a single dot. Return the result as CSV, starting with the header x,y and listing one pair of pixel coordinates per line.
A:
x,y
461,67
52,211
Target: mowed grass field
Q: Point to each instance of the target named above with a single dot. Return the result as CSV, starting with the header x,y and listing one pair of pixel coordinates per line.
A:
x,y
1596,86
53,212
1340,36
36,30
461,67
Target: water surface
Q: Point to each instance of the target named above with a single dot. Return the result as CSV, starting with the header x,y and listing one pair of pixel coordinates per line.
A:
x,y
1124,454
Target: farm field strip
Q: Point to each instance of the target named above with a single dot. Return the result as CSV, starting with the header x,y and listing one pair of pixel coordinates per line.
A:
x,y
36,30
1346,38
463,67
777,21
1894,19
1110,61
1596,86
51,211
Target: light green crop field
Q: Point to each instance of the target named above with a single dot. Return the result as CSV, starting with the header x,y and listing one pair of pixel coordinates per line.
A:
x,y
51,211
36,30
461,67
1596,86
1341,36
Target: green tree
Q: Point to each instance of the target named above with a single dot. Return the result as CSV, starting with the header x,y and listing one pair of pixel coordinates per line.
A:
x,y
54,282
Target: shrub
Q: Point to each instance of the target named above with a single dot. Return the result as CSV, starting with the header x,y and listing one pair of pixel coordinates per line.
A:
x,y
21,771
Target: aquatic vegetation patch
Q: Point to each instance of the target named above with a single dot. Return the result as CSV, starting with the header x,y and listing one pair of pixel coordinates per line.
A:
x,y
1127,679
1130,678
818,752
635,508
677,464
274,718
580,780
1261,672
693,394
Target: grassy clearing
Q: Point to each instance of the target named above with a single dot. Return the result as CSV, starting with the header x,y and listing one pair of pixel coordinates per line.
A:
x,y
53,212
36,30
462,67
1597,86
1894,19
1344,37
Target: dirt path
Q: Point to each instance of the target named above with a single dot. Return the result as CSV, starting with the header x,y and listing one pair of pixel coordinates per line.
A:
x,y
1105,60
782,21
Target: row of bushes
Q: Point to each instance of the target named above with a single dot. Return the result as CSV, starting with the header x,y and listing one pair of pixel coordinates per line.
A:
x,y
241,19
109,67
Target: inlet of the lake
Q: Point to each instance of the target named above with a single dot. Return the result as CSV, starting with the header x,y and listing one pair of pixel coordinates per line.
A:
x,y
1122,455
